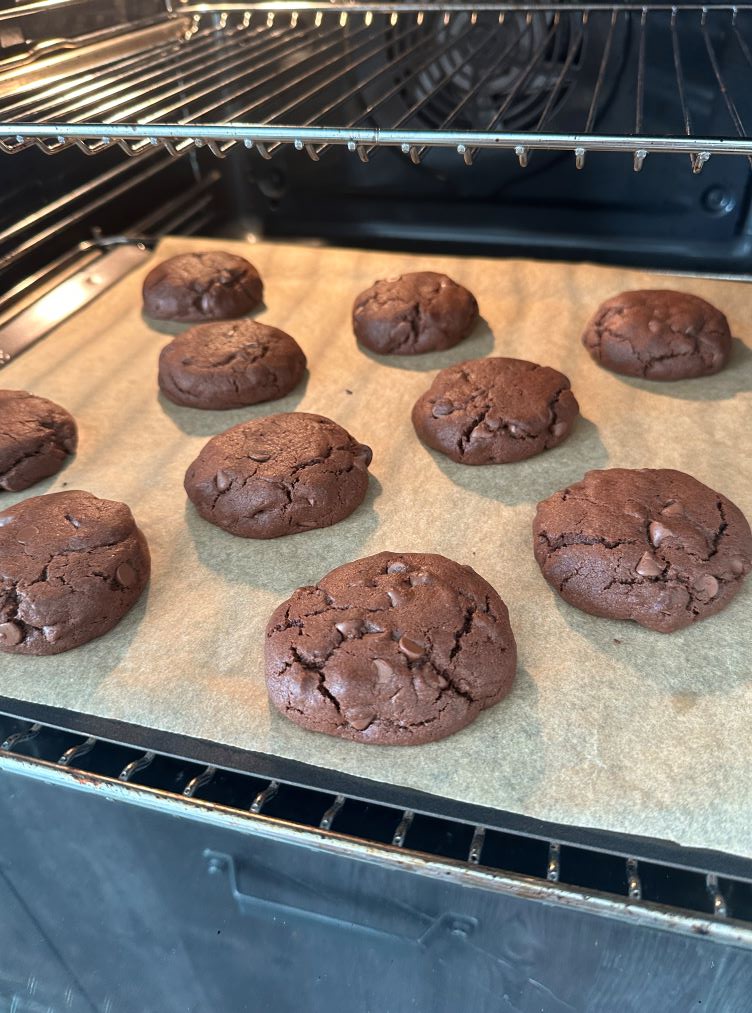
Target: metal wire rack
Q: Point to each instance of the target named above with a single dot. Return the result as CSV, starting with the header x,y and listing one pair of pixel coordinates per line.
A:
x,y
519,77
690,900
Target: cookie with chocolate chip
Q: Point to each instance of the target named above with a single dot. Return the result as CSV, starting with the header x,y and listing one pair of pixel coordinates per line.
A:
x,y
71,566
654,546
659,334
229,365
495,411
37,437
192,287
279,475
399,648
419,312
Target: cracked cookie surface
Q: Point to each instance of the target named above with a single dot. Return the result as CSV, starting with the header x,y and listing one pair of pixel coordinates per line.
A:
x,y
36,438
419,312
279,475
659,335
71,566
495,411
229,365
192,287
399,648
654,546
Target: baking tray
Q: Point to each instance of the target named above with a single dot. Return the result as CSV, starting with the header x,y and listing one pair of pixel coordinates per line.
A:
x,y
609,726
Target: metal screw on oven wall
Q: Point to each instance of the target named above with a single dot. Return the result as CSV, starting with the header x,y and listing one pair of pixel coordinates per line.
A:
x,y
718,201
214,866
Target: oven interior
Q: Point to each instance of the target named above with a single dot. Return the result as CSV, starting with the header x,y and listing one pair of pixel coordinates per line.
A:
x,y
616,132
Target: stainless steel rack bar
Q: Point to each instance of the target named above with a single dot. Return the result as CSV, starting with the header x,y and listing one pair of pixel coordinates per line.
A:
x,y
415,76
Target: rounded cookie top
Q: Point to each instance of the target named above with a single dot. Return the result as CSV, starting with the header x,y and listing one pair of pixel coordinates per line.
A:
x,y
399,648
71,566
230,365
202,286
419,312
659,334
279,475
495,411
36,438
655,546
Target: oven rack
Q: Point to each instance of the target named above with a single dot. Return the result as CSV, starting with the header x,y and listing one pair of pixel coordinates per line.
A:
x,y
417,77
652,893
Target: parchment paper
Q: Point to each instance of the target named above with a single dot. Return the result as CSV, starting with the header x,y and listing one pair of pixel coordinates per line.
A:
x,y
609,726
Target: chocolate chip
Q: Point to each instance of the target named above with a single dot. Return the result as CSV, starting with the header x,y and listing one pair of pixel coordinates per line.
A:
x,y
125,575
372,627
559,429
395,597
411,648
396,567
27,534
365,454
493,424
673,509
421,577
658,532
259,455
350,628
222,481
706,586
736,564
442,408
515,430
648,566
10,634
360,720
383,670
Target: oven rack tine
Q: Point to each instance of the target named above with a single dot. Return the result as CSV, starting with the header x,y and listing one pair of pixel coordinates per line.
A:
x,y
553,867
720,908
136,766
25,735
331,813
398,839
263,797
199,781
77,751
634,883
476,845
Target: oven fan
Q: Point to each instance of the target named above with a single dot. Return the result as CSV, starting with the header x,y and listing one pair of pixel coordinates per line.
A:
x,y
429,100
476,72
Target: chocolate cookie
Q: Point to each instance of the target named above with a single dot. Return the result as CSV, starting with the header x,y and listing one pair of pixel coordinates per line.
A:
x,y
229,365
36,437
393,649
659,335
420,312
494,411
71,566
202,286
655,546
279,475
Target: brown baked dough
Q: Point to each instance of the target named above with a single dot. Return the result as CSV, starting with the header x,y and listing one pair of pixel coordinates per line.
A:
x,y
36,438
659,334
652,545
71,566
399,648
279,475
230,364
419,312
495,411
192,287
